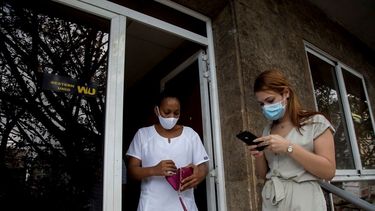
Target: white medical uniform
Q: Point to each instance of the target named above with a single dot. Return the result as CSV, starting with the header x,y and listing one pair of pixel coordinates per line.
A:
x,y
151,148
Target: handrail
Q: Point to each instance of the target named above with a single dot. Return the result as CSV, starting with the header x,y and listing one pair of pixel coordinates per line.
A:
x,y
360,203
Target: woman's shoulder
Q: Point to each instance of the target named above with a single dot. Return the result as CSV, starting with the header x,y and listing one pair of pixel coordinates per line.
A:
x,y
319,121
188,129
317,118
146,130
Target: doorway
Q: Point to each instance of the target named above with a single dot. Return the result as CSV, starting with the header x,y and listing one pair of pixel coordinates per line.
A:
x,y
155,45
152,57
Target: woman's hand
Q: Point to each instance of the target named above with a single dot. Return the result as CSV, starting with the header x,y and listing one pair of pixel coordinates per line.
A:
x,y
275,143
261,167
253,151
165,168
199,174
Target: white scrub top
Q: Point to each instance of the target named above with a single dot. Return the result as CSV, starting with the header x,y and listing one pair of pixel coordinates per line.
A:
x,y
151,148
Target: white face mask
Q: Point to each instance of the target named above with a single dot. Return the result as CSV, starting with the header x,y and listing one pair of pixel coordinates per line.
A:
x,y
167,123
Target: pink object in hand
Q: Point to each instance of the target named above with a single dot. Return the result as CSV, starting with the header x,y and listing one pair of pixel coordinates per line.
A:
x,y
181,173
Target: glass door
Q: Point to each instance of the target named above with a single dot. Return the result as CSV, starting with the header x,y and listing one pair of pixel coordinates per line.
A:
x,y
156,59
191,77
53,76
64,94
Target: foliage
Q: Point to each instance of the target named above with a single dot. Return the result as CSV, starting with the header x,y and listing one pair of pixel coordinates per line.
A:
x,y
55,137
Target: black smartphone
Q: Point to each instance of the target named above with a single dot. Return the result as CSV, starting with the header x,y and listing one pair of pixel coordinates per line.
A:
x,y
249,138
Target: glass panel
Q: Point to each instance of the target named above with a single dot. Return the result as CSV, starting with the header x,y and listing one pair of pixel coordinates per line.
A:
x,y
187,82
361,119
167,14
53,66
150,56
328,99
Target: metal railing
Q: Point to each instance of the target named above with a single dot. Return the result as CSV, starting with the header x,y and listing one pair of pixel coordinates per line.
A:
x,y
356,201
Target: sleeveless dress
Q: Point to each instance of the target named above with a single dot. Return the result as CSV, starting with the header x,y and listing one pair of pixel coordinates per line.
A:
x,y
289,187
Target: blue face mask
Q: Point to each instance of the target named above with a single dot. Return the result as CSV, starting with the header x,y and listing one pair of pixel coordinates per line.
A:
x,y
274,111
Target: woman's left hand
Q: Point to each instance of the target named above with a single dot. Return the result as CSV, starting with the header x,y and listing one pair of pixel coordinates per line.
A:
x,y
275,143
199,174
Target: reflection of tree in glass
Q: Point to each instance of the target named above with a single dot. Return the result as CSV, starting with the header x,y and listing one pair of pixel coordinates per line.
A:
x,y
55,137
328,103
364,131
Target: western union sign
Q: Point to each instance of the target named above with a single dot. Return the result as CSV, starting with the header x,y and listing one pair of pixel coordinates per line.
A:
x,y
67,85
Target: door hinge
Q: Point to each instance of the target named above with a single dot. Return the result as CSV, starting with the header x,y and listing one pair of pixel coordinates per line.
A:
x,y
206,72
204,57
213,173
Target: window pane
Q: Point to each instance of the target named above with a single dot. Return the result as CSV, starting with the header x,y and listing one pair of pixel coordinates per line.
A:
x,y
53,66
361,119
167,14
328,99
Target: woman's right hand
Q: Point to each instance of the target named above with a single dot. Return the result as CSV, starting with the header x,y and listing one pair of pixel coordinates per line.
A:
x,y
165,168
261,167
253,151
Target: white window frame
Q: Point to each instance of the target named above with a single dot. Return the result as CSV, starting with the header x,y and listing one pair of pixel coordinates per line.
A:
x,y
115,88
112,178
200,56
348,174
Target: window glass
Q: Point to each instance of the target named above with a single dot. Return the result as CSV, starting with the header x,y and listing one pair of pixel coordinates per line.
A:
x,y
329,102
360,114
53,66
167,14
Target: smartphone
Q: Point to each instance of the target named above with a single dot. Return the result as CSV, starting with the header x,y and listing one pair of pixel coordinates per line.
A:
x,y
249,138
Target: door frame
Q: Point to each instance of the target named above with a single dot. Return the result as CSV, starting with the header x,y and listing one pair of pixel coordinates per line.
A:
x,y
200,56
112,166
118,14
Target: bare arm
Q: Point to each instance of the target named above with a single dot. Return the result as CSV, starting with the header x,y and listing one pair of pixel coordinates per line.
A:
x,y
323,156
261,166
136,171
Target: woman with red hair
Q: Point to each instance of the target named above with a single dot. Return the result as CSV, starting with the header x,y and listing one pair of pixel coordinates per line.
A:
x,y
300,148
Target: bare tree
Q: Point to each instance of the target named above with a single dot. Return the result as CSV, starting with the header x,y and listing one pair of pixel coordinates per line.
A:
x,y
55,136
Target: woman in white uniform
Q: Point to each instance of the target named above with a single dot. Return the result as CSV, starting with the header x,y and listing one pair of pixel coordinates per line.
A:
x,y
158,151
300,148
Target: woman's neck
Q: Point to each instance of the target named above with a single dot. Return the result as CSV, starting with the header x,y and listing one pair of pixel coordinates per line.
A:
x,y
283,122
174,132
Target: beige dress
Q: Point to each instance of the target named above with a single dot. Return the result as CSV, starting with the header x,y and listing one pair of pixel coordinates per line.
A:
x,y
289,186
